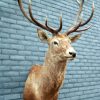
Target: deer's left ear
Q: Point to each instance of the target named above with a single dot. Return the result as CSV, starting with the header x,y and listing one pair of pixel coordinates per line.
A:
x,y
76,37
42,35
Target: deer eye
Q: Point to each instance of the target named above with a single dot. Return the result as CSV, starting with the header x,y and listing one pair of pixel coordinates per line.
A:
x,y
55,43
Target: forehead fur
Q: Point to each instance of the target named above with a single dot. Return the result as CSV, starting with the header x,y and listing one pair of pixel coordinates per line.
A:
x,y
59,37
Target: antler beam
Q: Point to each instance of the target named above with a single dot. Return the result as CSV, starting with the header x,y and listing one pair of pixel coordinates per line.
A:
x,y
34,21
79,23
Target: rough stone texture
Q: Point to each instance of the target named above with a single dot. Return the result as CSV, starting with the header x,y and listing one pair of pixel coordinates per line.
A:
x,y
20,48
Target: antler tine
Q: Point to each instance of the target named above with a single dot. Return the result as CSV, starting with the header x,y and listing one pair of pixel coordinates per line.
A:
x,y
38,23
86,28
73,29
77,24
34,21
76,27
60,27
57,30
78,18
88,20
24,13
49,28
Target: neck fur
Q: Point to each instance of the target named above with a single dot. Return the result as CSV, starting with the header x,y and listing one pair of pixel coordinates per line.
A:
x,y
54,64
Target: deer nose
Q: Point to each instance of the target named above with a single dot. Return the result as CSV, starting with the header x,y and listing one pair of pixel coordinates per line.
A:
x,y
73,54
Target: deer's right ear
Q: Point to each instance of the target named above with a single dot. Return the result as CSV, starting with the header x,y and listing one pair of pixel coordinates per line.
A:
x,y
42,35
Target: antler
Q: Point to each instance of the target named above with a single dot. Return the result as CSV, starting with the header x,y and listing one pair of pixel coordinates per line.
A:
x,y
79,22
34,21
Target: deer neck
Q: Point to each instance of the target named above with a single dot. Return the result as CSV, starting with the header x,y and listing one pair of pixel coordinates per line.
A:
x,y
55,71
54,65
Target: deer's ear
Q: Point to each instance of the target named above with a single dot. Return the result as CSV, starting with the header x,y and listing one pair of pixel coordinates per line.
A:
x,y
76,37
42,35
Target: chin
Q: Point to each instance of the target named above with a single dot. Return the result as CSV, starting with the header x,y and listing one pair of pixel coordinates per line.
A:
x,y
70,58
67,58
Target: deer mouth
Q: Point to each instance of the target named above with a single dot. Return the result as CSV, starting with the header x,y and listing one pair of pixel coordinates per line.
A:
x,y
69,57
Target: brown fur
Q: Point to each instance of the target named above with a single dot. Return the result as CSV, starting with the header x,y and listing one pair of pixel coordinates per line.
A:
x,y
48,87
44,82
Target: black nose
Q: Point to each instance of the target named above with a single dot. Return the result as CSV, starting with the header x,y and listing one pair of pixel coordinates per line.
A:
x,y
73,54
